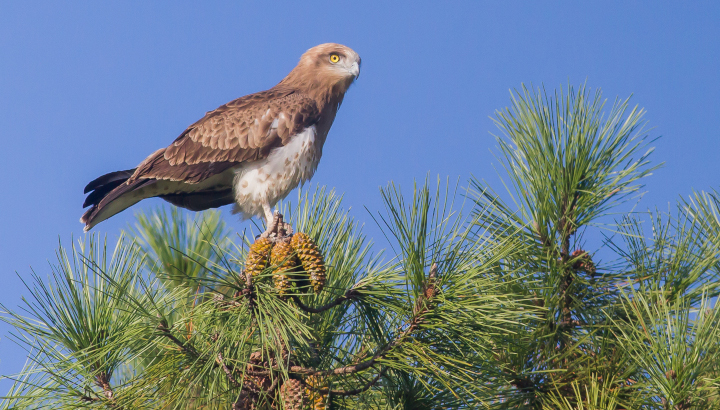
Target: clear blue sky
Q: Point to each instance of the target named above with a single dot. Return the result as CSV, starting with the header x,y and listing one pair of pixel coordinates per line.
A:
x,y
92,87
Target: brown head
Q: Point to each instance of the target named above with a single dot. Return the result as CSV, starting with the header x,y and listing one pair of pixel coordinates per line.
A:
x,y
325,72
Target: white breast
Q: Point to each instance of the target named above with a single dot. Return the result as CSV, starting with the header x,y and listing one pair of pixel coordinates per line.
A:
x,y
270,180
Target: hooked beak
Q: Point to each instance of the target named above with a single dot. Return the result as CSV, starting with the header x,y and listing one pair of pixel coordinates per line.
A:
x,y
355,69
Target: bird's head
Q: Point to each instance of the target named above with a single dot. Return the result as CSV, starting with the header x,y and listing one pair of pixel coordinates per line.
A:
x,y
325,69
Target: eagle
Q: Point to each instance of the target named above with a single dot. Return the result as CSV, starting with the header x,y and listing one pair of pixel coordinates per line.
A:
x,y
251,151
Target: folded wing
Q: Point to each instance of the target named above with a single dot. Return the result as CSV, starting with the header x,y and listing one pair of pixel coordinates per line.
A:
x,y
196,170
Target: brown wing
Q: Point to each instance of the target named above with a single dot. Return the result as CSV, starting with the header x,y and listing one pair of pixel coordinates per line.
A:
x,y
245,129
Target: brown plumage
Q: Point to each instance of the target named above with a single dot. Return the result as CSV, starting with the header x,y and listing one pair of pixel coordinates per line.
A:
x,y
252,151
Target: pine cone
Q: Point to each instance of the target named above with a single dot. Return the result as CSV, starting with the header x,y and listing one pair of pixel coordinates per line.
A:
x,y
584,262
291,394
258,383
311,259
246,401
257,258
315,400
285,261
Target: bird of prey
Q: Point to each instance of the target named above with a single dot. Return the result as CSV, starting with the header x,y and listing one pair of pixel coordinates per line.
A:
x,y
251,151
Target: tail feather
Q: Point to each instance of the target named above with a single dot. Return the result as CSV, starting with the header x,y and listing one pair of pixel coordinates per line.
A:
x,y
110,195
114,192
117,177
97,195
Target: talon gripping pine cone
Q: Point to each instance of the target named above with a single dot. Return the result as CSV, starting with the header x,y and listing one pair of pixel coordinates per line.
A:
x,y
311,259
283,258
257,258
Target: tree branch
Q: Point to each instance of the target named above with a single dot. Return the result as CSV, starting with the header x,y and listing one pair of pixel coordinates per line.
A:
x,y
423,305
227,371
249,293
353,392
186,348
103,381
568,273
349,295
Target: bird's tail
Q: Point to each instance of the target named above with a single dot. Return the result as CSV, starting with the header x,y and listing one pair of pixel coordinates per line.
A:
x,y
109,195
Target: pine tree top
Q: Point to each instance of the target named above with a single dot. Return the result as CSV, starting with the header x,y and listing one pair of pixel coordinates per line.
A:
x,y
552,294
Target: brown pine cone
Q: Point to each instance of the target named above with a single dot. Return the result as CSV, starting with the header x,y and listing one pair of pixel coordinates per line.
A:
x,y
292,394
583,262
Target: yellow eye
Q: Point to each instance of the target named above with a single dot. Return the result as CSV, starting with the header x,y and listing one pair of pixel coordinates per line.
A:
x,y
334,58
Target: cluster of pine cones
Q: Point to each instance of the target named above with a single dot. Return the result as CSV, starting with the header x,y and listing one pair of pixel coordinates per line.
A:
x,y
293,394
299,395
289,255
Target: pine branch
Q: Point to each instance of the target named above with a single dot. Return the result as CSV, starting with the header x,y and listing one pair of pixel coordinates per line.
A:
x,y
249,293
353,392
349,295
423,305
186,348
220,361
103,381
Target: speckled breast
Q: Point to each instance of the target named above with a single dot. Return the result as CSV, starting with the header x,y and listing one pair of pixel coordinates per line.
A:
x,y
271,179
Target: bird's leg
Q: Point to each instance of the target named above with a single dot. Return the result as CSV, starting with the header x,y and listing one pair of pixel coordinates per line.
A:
x,y
270,221
275,224
269,217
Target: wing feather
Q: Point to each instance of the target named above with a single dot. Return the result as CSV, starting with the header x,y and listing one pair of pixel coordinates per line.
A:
x,y
245,129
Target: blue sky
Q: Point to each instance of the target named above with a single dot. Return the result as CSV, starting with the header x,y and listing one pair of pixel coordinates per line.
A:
x,y
92,87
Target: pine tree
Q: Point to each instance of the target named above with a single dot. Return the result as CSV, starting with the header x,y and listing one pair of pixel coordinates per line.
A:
x,y
487,300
